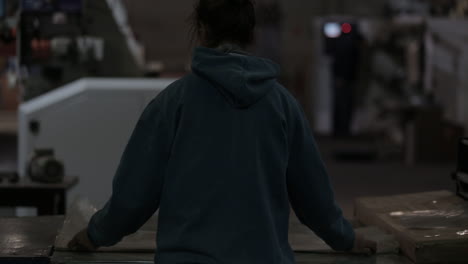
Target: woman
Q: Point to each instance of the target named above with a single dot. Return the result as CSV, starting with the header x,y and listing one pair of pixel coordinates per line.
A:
x,y
222,153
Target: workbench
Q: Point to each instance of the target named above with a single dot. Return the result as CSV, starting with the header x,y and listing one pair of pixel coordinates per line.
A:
x,y
30,240
49,199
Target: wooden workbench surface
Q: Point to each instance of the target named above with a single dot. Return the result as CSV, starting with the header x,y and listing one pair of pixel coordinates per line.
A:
x,y
28,238
301,258
31,240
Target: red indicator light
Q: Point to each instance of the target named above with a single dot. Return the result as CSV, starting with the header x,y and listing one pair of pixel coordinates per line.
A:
x,y
346,28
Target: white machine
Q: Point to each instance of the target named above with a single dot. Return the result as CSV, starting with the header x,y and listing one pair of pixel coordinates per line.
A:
x,y
87,123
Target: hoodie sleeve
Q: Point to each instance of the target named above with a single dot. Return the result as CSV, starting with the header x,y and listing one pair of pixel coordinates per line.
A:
x,y
309,188
138,182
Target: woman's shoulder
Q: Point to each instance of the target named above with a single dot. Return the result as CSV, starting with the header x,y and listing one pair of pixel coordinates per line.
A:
x,y
178,86
285,97
175,89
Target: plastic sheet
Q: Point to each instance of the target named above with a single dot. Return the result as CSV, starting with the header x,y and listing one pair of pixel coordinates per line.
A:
x,y
78,217
437,222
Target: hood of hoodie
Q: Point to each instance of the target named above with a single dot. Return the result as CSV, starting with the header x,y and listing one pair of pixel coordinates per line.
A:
x,y
243,80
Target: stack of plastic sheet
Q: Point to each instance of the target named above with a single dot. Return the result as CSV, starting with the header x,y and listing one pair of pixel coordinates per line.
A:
x,y
431,227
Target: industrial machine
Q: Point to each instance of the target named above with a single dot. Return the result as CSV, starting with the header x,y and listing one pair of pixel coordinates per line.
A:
x,y
336,56
87,123
44,167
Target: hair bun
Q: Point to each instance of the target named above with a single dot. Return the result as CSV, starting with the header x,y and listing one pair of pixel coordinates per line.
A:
x,y
224,21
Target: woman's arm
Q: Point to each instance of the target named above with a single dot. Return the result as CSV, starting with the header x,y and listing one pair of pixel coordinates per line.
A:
x,y
138,182
309,187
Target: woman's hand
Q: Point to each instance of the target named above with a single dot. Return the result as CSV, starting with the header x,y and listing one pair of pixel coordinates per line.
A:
x,y
81,242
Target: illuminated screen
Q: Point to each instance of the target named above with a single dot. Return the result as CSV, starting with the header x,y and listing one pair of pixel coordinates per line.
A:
x,y
332,30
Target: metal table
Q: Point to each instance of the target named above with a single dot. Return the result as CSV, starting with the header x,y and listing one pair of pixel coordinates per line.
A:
x,y
49,199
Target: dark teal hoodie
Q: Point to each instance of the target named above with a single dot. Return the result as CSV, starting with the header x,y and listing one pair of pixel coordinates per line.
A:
x,y
222,153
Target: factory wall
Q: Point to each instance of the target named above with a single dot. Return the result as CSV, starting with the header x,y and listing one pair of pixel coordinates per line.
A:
x,y
164,30
118,60
163,27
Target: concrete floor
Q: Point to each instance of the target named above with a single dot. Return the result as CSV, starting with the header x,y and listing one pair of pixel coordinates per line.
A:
x,y
378,178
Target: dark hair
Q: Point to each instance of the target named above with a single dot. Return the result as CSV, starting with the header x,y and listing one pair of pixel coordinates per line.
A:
x,y
224,21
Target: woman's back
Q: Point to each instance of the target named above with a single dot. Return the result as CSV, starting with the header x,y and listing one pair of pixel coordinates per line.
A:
x,y
225,195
